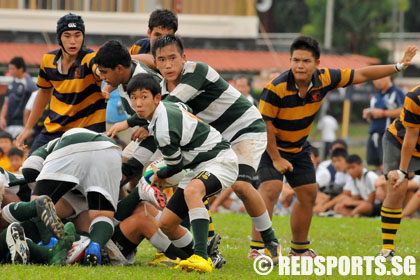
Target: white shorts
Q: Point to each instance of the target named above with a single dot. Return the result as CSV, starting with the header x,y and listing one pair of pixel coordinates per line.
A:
x,y
224,167
94,171
77,201
250,150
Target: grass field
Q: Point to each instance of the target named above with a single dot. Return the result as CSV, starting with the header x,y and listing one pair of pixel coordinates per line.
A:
x,y
329,236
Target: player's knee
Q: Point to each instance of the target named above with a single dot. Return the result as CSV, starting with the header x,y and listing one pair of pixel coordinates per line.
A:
x,y
167,227
192,192
242,188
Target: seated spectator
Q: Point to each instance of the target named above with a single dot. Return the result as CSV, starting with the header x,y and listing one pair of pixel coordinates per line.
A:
x,y
338,143
412,209
5,144
228,200
362,186
332,182
16,158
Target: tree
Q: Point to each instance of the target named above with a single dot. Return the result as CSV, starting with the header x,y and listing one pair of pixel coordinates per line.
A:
x,y
356,24
286,16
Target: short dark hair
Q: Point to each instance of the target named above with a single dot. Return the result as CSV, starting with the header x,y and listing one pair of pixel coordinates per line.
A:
x,y
4,134
15,152
168,40
315,151
354,159
111,54
18,62
341,142
165,18
339,152
144,81
307,44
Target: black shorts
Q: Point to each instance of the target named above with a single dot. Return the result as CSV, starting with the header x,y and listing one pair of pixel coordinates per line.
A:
x,y
303,169
374,151
177,202
376,209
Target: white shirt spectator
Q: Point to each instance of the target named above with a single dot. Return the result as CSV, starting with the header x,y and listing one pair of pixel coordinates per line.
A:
x,y
365,185
328,125
31,101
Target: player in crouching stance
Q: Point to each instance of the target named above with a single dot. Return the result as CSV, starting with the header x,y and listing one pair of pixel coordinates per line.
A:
x,y
84,160
185,143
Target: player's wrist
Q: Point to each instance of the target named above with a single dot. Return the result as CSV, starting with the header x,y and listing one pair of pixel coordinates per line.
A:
x,y
402,174
400,67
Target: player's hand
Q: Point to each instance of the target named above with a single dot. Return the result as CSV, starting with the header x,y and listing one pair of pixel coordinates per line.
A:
x,y
156,181
139,134
117,127
20,139
409,53
106,91
282,165
395,179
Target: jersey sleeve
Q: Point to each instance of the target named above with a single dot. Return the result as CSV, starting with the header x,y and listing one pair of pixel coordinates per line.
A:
x,y
411,110
43,80
340,77
93,67
270,102
193,79
33,164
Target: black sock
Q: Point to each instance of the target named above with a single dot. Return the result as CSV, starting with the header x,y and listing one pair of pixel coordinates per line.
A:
x,y
122,242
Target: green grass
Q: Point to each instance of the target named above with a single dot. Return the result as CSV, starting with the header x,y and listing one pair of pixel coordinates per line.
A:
x,y
329,236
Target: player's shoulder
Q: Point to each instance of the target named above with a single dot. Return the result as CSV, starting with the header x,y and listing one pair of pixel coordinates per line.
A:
x,y
141,46
49,57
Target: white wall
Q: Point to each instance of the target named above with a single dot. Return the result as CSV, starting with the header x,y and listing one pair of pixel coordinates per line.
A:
x,y
131,23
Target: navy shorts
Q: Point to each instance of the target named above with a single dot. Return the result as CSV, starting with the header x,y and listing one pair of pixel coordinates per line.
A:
x,y
303,169
43,138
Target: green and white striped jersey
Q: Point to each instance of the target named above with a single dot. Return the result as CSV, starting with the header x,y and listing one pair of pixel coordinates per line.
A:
x,y
183,139
15,183
122,88
7,177
216,102
72,141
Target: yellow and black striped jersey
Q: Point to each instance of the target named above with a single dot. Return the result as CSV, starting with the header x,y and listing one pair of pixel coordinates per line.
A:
x,y
76,99
140,46
293,116
409,117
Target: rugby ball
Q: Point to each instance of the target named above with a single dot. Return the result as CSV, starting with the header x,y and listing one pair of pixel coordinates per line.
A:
x,y
77,251
172,181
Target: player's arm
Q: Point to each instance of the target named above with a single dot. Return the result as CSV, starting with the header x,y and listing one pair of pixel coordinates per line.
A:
x,y
370,73
280,164
409,143
41,101
146,59
397,177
